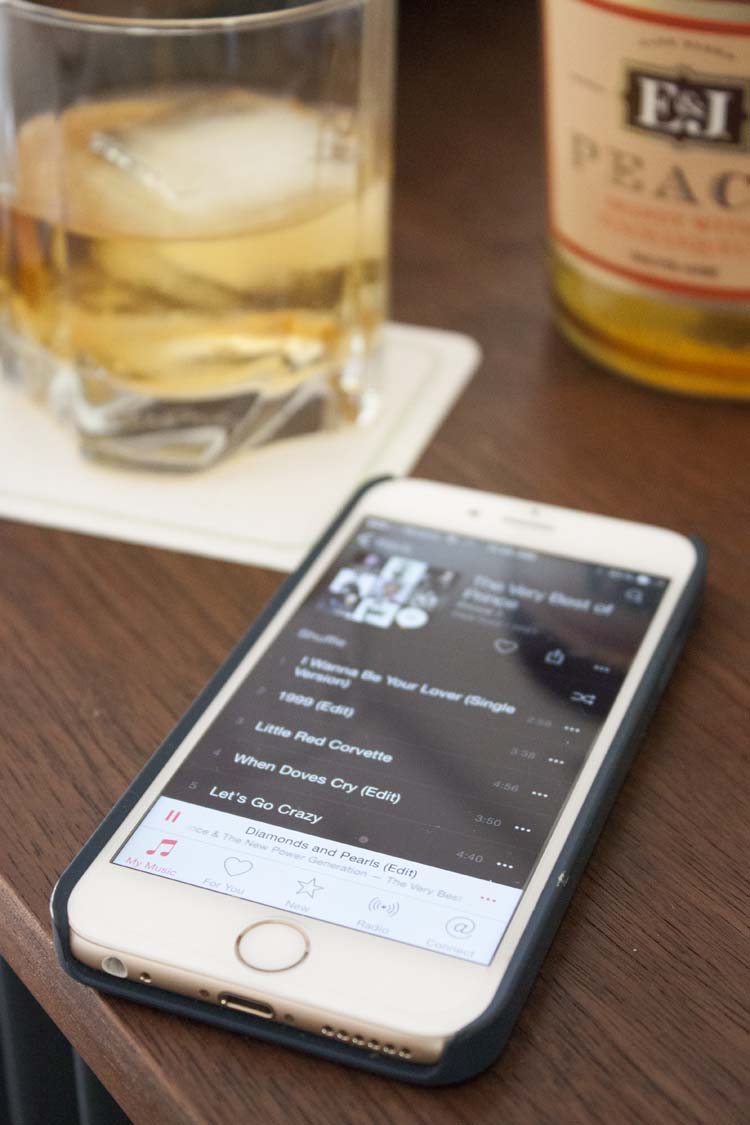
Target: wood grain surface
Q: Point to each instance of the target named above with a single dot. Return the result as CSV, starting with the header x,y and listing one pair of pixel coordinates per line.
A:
x,y
639,1012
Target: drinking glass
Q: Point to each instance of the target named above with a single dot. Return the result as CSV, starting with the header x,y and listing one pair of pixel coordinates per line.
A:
x,y
194,217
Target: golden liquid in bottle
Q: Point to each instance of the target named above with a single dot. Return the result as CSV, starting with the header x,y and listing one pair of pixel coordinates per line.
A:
x,y
689,346
649,154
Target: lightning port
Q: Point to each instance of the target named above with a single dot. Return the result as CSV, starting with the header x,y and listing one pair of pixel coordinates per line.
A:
x,y
249,1007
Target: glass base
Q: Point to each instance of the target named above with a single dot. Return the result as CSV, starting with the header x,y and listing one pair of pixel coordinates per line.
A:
x,y
119,425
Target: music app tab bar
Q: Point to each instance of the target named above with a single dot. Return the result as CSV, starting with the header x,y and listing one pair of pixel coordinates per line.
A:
x,y
312,876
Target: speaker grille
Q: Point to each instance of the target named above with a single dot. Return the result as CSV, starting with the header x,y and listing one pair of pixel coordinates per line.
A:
x,y
358,1040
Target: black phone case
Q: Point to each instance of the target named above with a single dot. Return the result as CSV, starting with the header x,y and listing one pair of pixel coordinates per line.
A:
x,y
478,1044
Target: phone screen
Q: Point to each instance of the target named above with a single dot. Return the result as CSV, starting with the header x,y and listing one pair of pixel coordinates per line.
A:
x,y
397,758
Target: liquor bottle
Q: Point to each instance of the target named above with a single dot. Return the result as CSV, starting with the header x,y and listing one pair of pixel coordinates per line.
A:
x,y
648,139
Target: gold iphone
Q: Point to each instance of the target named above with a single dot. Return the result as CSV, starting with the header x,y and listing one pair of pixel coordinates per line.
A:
x,y
362,836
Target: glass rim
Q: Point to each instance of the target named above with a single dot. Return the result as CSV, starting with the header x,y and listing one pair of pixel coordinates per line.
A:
x,y
140,25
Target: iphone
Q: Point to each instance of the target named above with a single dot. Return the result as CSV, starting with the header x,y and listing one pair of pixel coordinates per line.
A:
x,y
360,839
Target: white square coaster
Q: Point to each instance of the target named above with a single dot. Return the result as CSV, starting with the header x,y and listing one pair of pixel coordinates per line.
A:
x,y
264,506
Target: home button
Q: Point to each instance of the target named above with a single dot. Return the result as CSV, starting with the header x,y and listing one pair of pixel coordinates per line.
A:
x,y
272,946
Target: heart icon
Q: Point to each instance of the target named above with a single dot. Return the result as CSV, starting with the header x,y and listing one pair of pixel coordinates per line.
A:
x,y
234,866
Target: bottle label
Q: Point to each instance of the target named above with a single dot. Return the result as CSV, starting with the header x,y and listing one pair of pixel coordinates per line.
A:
x,y
648,135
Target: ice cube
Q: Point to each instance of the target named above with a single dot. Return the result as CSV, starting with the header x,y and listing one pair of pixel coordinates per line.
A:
x,y
225,162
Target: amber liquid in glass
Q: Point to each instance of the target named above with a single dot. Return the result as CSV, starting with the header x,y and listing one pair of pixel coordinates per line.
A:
x,y
196,246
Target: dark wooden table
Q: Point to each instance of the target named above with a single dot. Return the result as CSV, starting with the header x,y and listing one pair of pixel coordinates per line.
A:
x,y
638,1012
